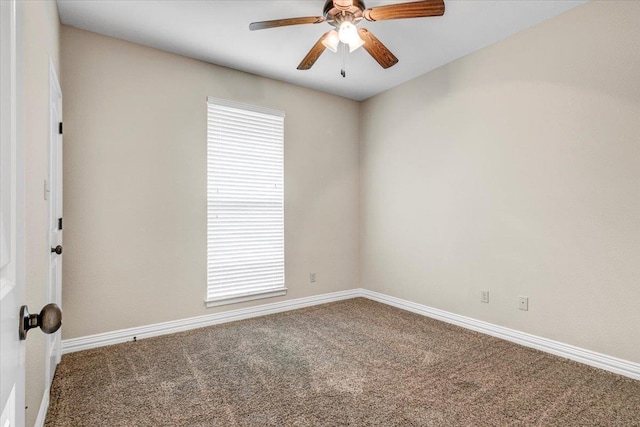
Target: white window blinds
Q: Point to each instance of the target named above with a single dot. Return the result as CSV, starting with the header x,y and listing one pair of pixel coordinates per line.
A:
x,y
245,202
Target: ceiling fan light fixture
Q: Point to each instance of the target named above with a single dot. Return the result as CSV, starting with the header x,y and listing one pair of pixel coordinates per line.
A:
x,y
331,41
348,34
344,15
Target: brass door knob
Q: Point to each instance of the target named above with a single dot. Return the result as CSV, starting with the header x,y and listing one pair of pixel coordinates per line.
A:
x,y
57,249
49,320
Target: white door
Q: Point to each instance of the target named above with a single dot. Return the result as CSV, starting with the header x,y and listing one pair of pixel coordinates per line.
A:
x,y
54,195
11,218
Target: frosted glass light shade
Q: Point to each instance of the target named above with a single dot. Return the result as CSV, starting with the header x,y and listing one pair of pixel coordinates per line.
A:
x,y
358,42
331,41
348,34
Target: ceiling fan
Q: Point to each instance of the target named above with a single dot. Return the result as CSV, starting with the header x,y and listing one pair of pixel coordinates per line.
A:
x,y
344,16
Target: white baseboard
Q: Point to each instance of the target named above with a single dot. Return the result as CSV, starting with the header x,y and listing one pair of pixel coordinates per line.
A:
x,y
42,412
588,357
124,335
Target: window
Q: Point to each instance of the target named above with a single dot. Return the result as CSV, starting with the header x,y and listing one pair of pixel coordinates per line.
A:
x,y
245,202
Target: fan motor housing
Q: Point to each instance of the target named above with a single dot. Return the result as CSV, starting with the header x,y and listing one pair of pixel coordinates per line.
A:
x,y
336,12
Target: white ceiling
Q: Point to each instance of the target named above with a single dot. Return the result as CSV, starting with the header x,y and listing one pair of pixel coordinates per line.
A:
x,y
218,32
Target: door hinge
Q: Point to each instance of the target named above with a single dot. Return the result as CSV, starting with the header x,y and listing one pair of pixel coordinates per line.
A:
x,y
60,128
59,223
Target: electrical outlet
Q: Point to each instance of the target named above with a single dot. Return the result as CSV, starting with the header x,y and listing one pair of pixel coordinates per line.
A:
x,y
312,277
484,296
524,304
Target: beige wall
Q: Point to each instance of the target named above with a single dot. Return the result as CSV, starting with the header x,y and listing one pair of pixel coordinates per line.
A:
x,y
516,169
41,42
135,183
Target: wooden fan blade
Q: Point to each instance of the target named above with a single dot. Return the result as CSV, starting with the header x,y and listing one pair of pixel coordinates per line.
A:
x,y
313,54
376,49
417,9
262,25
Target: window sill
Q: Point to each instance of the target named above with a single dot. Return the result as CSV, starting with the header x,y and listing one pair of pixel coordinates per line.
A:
x,y
245,297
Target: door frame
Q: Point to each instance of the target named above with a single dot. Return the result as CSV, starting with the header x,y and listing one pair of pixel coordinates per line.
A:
x,y
54,195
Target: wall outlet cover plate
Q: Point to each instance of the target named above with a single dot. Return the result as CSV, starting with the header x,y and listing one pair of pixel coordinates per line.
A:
x,y
524,303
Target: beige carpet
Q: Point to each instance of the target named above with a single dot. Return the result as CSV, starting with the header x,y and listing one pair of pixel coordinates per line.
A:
x,y
355,363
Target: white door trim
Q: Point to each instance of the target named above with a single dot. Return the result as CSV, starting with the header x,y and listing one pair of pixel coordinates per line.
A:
x,y
54,290
44,407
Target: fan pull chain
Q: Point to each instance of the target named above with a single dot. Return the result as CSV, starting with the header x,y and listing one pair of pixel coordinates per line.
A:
x,y
343,51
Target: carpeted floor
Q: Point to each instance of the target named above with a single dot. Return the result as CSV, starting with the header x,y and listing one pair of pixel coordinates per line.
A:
x,y
355,363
